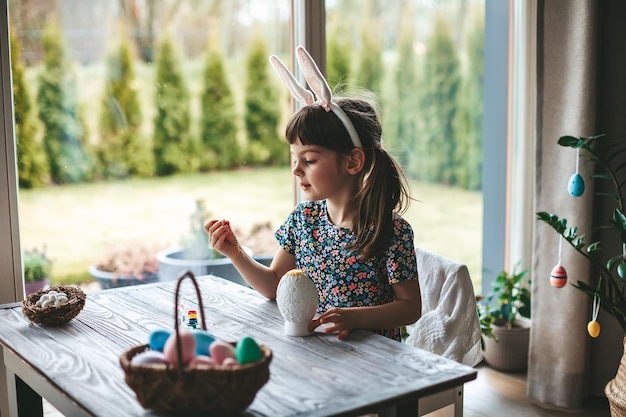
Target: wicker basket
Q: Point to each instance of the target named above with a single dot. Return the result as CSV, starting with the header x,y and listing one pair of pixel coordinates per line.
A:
x,y
205,388
615,389
54,315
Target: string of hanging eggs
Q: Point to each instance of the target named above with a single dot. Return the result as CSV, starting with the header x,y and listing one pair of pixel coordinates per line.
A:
x,y
558,276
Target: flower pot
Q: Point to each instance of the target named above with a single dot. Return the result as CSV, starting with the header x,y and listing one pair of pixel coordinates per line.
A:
x,y
510,352
615,389
111,280
172,264
34,286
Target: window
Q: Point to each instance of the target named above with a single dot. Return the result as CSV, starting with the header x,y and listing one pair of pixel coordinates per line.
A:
x,y
158,208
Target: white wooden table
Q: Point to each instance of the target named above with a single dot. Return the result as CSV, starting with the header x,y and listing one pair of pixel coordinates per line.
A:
x,y
76,366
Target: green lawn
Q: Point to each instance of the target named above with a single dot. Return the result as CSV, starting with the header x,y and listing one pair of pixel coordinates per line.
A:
x,y
80,223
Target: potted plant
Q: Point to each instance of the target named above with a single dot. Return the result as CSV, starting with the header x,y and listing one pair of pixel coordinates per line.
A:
x,y
505,322
37,268
195,254
609,290
129,265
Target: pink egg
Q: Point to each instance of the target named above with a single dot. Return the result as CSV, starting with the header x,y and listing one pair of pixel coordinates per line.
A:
x,y
148,357
221,351
558,276
188,347
230,362
201,360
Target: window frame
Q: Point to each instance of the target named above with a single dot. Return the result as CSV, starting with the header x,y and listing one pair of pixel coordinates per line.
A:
x,y
502,239
11,280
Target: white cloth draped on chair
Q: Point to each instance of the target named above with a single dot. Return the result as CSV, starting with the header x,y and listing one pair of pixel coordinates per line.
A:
x,y
449,325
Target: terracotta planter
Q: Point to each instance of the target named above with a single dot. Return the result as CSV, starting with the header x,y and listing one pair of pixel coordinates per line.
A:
x,y
615,390
510,352
34,286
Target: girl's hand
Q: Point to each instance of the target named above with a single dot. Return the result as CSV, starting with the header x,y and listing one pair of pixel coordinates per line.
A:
x,y
222,238
343,319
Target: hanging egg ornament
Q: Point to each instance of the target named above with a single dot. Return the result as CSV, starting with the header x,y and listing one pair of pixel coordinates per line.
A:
x,y
576,185
593,328
621,270
558,276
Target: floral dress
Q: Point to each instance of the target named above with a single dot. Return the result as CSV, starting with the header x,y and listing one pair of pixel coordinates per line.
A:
x,y
341,279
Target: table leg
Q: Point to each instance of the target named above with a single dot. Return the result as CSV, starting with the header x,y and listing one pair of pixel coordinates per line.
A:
x,y
19,398
407,410
28,401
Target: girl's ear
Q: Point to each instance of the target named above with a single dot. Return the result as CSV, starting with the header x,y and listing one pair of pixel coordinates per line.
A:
x,y
356,161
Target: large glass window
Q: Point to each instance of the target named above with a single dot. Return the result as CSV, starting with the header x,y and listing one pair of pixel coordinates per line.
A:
x,y
136,120
424,60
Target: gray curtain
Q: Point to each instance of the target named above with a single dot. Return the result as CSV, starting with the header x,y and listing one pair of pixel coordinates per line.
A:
x,y
581,91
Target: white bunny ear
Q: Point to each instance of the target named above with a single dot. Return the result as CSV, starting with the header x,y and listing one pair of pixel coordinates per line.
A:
x,y
314,77
318,84
297,91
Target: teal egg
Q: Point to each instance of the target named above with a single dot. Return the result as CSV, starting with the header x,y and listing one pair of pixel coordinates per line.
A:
x,y
621,270
576,185
158,338
247,350
203,341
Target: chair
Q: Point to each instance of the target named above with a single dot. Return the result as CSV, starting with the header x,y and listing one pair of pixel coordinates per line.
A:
x,y
449,325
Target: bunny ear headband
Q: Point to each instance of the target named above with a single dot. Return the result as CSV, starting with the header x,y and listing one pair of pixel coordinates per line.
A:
x,y
318,84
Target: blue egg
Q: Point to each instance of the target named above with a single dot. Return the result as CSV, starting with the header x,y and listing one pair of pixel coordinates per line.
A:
x,y
158,338
203,341
576,185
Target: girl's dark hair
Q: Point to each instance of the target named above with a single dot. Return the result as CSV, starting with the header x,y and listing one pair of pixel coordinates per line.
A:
x,y
384,189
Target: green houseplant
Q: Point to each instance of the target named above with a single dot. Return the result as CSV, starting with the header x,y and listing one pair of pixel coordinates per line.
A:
x,y
504,323
37,268
608,289
612,273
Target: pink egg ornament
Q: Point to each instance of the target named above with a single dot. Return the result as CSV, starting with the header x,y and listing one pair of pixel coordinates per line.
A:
x,y
201,360
230,362
558,276
220,351
188,347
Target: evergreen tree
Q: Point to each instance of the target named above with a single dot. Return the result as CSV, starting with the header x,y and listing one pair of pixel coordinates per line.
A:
x,y
218,123
172,144
64,135
122,152
262,112
468,125
438,90
370,66
338,55
31,162
401,130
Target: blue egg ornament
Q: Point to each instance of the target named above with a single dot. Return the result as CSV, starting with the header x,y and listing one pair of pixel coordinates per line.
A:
x,y
158,338
576,185
203,341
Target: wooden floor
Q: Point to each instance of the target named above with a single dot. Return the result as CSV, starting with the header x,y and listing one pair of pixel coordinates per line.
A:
x,y
502,394
492,394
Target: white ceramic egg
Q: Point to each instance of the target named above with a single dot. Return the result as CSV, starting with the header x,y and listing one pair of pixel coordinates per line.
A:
x,y
297,299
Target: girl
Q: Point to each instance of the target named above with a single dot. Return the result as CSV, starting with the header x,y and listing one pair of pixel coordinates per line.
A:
x,y
348,235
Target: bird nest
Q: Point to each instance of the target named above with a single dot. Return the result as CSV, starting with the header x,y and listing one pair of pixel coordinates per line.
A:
x,y
54,315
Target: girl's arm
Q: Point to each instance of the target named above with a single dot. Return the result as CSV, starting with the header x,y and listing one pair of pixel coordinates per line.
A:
x,y
260,277
405,310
